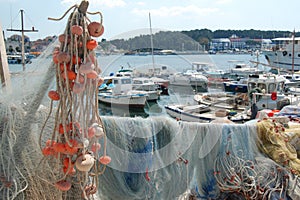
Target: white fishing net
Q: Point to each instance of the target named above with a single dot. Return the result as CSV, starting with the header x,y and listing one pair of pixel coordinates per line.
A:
x,y
160,158
58,147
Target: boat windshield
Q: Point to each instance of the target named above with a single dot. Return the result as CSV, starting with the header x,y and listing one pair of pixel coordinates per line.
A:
x,y
126,81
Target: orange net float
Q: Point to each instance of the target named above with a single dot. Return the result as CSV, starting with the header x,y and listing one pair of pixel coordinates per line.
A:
x,y
91,44
77,30
95,29
63,185
53,95
105,160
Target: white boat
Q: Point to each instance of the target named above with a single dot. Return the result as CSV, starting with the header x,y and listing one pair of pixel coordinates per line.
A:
x,y
17,59
154,70
267,91
148,86
191,79
216,77
241,69
203,113
281,54
161,84
122,95
143,83
223,100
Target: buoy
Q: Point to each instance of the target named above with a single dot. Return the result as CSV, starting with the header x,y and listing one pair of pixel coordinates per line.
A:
x,y
95,29
85,162
63,185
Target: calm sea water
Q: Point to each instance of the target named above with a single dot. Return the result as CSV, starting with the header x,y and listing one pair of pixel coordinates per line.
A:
x,y
180,63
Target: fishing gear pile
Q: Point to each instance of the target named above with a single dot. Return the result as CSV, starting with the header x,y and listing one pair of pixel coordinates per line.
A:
x,y
73,147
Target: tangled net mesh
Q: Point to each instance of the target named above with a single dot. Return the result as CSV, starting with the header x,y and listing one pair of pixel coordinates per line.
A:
x,y
53,142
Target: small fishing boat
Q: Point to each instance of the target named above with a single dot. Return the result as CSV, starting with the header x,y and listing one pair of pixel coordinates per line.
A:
x,y
223,100
121,94
216,77
161,84
239,69
268,91
147,86
17,59
236,86
204,114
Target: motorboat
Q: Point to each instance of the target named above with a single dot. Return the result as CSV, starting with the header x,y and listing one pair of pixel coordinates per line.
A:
x,y
17,59
204,114
191,79
121,94
241,69
154,70
223,100
147,86
161,84
216,77
236,86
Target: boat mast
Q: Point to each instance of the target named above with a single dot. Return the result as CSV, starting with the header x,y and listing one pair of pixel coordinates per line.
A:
x,y
23,37
293,52
151,38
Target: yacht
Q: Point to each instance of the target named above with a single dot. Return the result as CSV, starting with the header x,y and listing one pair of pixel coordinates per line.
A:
x,y
190,78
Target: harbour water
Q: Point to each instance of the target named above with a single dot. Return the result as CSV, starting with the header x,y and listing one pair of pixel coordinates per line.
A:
x,y
112,63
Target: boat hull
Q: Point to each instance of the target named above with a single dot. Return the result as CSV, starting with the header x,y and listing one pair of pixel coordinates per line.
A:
x,y
130,101
235,87
282,59
206,116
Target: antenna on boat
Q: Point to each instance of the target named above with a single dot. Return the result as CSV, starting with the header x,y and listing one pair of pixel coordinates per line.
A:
x,y
22,30
293,52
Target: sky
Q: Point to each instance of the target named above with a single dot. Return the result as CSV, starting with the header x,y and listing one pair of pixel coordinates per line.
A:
x,y
125,18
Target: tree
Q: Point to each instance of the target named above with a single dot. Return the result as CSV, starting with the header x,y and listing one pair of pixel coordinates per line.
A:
x,y
10,49
204,41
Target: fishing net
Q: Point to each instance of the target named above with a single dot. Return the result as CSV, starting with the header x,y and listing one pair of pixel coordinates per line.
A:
x,y
54,144
160,158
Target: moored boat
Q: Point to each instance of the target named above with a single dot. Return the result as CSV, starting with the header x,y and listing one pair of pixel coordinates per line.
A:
x,y
267,91
236,86
146,85
17,59
204,114
242,70
223,100
285,53
122,95
191,79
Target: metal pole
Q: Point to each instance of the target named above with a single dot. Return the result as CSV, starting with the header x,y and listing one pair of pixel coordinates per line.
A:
x,y
293,54
22,30
151,38
23,48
